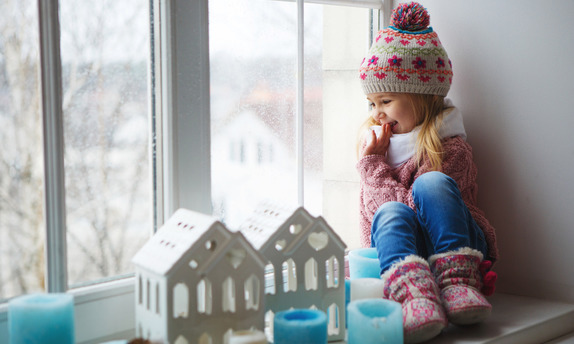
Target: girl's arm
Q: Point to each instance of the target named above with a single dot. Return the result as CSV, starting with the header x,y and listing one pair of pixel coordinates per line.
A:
x,y
459,165
379,184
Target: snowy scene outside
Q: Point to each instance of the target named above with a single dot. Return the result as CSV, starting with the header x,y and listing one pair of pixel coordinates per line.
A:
x,y
253,48
105,53
105,50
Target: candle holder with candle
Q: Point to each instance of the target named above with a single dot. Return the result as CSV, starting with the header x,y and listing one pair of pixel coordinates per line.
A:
x,y
301,326
375,321
364,263
305,263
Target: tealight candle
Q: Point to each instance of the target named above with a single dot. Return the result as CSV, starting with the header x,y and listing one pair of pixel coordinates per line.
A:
x,y
301,326
41,318
374,321
364,263
248,337
366,288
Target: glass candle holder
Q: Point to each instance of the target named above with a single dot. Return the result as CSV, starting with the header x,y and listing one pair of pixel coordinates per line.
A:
x,y
364,263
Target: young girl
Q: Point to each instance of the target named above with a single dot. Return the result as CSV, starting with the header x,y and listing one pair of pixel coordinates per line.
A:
x,y
418,183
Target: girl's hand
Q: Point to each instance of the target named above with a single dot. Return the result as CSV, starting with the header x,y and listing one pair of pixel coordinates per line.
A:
x,y
378,145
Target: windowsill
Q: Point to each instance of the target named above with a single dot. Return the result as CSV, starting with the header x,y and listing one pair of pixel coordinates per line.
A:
x,y
516,319
102,312
105,312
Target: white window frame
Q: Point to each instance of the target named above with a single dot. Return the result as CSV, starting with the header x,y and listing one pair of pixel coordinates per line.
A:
x,y
182,97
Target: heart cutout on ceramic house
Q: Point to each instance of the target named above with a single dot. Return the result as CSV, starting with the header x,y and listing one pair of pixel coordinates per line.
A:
x,y
235,257
318,241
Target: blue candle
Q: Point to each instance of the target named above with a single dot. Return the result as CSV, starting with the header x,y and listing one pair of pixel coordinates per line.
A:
x,y
364,263
375,321
301,326
41,318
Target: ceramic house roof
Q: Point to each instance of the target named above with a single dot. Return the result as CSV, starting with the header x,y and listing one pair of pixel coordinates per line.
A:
x,y
173,240
264,222
263,226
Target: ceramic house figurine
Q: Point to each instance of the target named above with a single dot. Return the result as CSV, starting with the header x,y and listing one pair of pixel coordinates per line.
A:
x,y
305,263
196,282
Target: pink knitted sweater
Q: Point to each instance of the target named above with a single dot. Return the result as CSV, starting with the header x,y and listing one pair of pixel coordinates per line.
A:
x,y
381,184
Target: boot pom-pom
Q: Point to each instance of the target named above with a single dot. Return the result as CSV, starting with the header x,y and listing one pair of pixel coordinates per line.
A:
x,y
488,283
488,278
410,17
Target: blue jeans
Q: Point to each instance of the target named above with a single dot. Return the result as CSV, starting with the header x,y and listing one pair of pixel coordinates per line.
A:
x,y
441,223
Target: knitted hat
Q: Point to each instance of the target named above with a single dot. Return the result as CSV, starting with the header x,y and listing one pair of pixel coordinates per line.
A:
x,y
407,56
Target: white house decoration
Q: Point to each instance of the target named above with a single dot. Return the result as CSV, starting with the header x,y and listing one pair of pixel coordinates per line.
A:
x,y
305,263
196,282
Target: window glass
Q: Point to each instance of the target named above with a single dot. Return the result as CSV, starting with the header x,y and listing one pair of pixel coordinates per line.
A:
x,y
253,52
21,165
105,51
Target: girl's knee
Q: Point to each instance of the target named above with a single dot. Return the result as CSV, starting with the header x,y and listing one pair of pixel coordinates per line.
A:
x,y
433,181
393,208
391,214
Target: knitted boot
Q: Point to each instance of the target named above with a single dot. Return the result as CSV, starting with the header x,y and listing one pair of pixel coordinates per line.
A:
x,y
460,281
410,282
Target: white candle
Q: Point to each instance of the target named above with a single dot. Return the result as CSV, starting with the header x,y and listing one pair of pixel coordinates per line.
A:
x,y
366,288
248,337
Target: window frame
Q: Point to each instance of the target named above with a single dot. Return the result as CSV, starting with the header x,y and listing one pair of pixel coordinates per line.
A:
x,y
182,151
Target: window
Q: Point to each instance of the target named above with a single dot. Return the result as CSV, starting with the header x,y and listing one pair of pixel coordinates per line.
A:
x,y
21,177
257,107
253,71
105,58
115,190
104,101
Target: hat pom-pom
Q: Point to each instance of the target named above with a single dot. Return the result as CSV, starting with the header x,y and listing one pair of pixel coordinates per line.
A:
x,y
410,17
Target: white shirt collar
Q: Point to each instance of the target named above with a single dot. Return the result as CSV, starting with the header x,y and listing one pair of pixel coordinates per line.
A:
x,y
403,146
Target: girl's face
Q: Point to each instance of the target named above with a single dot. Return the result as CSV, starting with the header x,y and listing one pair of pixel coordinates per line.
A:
x,y
393,108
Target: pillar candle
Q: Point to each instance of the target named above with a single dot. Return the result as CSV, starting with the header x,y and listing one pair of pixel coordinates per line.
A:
x,y
301,326
347,293
347,299
41,318
248,337
366,288
363,263
374,321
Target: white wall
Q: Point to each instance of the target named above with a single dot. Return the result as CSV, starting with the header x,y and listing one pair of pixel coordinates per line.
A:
x,y
513,79
513,66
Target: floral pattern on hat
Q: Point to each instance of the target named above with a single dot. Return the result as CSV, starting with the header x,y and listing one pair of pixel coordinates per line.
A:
x,y
395,61
419,63
407,57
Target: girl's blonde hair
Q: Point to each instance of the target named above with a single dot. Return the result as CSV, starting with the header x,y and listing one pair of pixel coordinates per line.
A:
x,y
428,110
